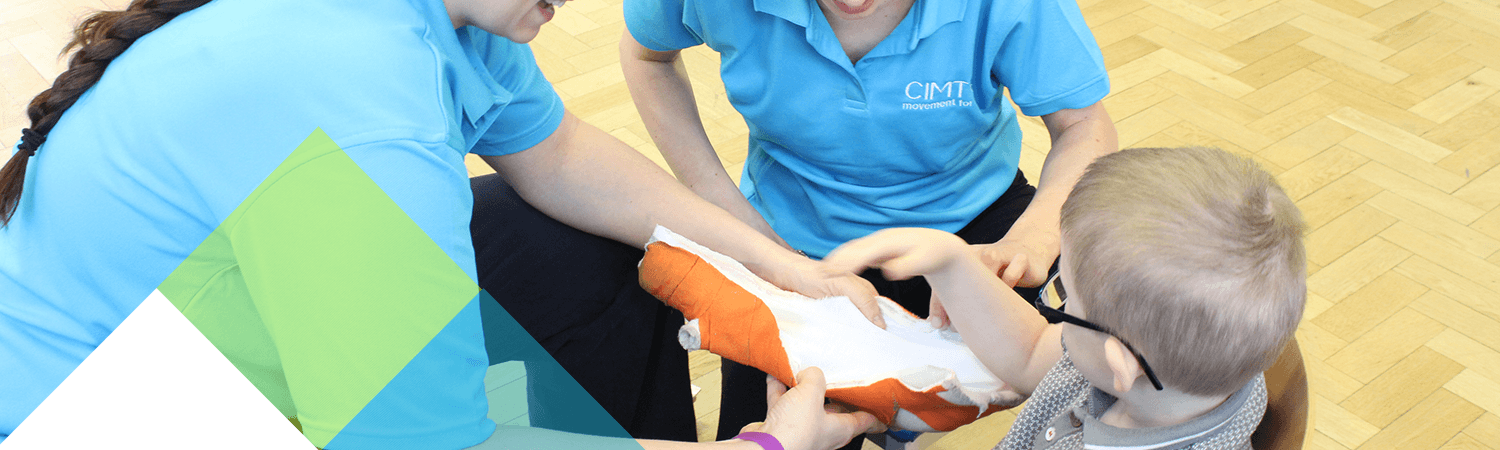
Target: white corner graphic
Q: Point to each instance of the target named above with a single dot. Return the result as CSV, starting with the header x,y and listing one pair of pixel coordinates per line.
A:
x,y
156,383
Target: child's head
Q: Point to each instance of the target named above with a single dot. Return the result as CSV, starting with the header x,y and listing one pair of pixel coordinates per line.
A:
x,y
1192,255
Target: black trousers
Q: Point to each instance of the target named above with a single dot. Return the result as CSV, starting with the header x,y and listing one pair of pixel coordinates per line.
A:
x,y
577,294
744,387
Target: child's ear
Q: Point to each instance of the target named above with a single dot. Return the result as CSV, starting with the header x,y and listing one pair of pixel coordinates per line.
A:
x,y
1122,364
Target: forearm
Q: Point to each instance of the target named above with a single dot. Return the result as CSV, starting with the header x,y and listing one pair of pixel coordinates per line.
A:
x,y
663,95
513,437
1078,138
592,181
1004,331
721,445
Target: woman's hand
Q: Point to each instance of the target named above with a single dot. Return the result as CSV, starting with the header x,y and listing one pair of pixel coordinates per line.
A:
x,y
798,418
799,274
1022,258
1025,254
937,315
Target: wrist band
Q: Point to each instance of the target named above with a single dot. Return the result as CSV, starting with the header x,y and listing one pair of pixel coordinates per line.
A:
x,y
765,440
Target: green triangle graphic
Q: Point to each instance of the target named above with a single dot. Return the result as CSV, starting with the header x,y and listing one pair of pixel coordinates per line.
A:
x,y
286,307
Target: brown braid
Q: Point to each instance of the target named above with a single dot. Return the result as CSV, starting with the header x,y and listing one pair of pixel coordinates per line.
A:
x,y
99,39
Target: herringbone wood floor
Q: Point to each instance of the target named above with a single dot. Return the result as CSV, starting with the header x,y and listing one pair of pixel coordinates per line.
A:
x,y
1380,117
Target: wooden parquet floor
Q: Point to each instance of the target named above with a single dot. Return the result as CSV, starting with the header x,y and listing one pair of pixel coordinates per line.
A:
x,y
1380,117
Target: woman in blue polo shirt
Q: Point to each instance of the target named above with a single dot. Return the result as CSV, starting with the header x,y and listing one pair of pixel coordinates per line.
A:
x,y
289,174
870,114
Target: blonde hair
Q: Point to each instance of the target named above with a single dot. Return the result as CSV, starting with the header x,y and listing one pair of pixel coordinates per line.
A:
x,y
1194,256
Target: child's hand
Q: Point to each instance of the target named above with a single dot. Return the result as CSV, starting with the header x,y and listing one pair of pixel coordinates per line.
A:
x,y
1004,330
900,253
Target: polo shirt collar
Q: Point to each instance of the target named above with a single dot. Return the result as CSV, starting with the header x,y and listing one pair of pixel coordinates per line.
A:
x,y
789,10
475,94
477,90
931,14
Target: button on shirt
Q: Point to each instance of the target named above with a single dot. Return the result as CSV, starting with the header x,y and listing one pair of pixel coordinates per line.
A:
x,y
195,116
916,133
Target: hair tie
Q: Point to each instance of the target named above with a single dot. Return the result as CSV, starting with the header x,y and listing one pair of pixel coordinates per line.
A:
x,y
31,140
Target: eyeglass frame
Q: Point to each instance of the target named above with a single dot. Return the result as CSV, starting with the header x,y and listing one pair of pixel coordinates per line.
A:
x,y
1056,315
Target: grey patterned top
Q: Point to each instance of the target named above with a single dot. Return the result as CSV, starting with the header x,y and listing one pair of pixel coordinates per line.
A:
x,y
1063,413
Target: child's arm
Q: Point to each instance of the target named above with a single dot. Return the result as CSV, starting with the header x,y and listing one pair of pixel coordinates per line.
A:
x,y
1003,330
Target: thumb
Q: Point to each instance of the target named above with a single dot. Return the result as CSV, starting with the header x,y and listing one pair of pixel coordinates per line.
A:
x,y
1035,276
863,295
857,423
774,391
867,423
1014,270
937,315
811,382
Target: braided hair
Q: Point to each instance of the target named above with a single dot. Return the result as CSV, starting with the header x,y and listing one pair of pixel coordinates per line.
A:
x,y
99,39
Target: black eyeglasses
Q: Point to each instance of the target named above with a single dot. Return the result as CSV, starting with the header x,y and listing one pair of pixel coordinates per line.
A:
x,y
1055,315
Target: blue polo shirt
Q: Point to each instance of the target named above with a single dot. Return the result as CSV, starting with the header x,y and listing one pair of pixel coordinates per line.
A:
x,y
196,115
917,133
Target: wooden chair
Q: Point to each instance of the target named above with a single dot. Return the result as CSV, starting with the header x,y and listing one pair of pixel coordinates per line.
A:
x,y
1285,424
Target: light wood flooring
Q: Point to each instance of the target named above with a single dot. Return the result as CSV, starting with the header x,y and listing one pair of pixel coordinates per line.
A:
x,y
1380,117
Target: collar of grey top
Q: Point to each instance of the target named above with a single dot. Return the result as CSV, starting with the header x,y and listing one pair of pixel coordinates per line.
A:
x,y
1249,400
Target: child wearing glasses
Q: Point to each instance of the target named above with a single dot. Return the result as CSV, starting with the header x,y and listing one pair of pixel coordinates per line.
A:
x,y
1181,278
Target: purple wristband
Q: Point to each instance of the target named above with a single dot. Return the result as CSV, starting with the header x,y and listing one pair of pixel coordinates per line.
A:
x,y
765,440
